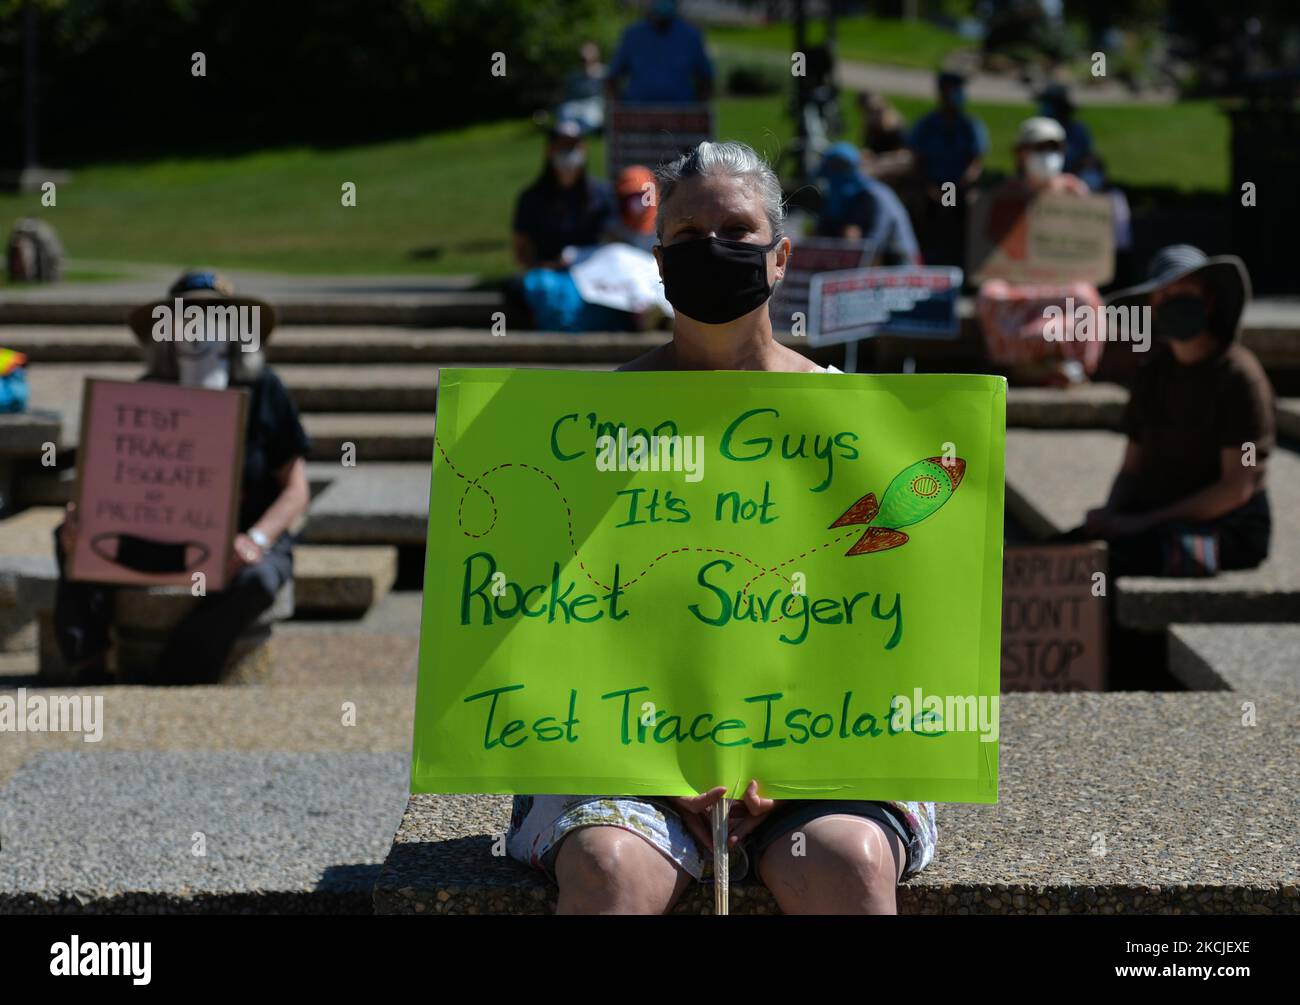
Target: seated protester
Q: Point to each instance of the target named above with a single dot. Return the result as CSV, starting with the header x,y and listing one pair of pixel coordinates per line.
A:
x,y
1011,315
273,496
635,222
1189,499
884,142
564,206
721,221
855,207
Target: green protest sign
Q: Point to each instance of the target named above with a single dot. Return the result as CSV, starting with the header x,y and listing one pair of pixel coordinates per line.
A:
x,y
656,583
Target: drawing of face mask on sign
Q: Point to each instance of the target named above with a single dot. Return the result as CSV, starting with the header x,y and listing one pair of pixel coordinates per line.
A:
x,y
203,364
142,554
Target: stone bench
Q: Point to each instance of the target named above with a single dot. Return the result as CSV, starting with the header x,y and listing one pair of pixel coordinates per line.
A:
x,y
23,439
1054,478
26,550
1109,803
1250,659
143,620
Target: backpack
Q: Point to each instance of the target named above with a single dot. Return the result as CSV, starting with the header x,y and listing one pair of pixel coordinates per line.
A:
x,y
13,381
34,254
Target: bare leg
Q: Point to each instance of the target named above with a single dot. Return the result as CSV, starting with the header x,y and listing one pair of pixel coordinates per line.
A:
x,y
846,868
609,870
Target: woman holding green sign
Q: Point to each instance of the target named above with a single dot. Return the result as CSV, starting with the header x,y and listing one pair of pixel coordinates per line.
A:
x,y
721,251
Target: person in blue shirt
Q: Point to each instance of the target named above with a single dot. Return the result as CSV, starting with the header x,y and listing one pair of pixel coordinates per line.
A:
x,y
857,207
948,143
949,146
564,206
662,61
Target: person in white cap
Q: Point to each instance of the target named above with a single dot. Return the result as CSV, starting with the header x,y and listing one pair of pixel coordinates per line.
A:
x,y
1040,158
1011,314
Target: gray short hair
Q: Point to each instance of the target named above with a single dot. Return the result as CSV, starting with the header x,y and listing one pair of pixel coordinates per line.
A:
x,y
736,159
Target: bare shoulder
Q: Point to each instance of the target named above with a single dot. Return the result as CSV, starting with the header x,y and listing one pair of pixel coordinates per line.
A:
x,y
797,362
659,358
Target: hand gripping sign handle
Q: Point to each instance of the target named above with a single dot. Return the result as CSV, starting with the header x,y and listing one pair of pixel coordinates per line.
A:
x,y
721,860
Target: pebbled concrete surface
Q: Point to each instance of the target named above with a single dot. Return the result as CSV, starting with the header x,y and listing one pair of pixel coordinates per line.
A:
x,y
118,831
1109,803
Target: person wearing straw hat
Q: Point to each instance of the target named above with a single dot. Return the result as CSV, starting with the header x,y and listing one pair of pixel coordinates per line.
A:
x,y
1189,498
273,494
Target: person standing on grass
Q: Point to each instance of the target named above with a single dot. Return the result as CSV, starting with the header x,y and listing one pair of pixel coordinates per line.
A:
x,y
721,251
660,61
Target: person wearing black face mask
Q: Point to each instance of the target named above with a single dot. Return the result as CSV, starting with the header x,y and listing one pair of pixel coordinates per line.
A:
x,y
1189,499
721,251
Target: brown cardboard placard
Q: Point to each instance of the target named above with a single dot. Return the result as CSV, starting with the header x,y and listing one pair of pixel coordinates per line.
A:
x,y
159,472
1054,623
1043,239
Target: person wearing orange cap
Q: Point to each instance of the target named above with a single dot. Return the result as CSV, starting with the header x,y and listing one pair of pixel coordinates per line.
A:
x,y
634,193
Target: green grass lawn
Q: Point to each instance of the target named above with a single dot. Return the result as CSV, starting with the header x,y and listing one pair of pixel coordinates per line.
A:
x,y
442,203
863,38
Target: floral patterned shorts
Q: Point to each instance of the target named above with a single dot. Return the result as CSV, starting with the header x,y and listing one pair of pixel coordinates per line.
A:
x,y
539,824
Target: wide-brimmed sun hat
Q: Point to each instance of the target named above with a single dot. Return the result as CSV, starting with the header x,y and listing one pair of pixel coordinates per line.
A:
x,y
205,286
1224,275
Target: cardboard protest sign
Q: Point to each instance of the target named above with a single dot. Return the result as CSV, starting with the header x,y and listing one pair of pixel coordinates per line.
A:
x,y
158,477
914,300
798,580
1053,618
1047,239
650,134
811,256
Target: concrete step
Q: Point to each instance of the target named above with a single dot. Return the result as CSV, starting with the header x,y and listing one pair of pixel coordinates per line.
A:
x,y
1163,791
372,436
354,344
1054,478
315,307
26,549
1288,417
198,832
1256,660
372,503
341,580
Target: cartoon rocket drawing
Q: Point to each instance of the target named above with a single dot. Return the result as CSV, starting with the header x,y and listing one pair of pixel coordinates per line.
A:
x,y
915,493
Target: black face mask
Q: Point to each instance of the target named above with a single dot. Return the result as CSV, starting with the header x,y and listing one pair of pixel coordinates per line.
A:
x,y
1180,318
141,554
714,280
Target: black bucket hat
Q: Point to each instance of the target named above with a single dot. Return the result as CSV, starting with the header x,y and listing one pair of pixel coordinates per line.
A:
x,y
1224,275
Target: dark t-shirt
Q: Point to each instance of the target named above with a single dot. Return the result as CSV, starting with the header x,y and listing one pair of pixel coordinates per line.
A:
x,y
1183,416
554,217
274,437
